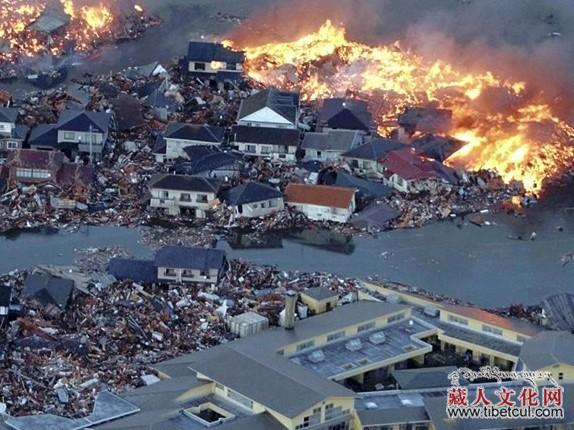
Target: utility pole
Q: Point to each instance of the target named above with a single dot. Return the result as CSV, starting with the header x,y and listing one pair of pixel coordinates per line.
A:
x,y
90,138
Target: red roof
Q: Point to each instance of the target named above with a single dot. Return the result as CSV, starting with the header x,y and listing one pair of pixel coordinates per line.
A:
x,y
36,159
320,195
408,165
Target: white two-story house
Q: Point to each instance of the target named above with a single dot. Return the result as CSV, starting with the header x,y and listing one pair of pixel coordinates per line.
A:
x,y
85,132
177,194
321,202
270,108
274,143
179,136
206,59
190,265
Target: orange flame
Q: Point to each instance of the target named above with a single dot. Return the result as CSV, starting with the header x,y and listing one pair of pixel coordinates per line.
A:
x,y
527,144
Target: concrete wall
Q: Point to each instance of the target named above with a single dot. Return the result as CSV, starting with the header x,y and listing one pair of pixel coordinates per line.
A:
x,y
172,201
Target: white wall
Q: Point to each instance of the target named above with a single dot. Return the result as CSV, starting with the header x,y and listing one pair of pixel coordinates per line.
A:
x,y
76,136
172,200
313,154
266,117
210,69
324,213
254,210
6,128
270,151
178,275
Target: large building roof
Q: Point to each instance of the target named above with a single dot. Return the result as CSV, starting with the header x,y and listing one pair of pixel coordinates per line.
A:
x,y
548,348
320,195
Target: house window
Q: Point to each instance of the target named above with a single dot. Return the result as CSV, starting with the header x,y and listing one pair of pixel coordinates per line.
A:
x,y
305,345
238,398
231,66
335,336
560,376
4,127
365,327
170,272
266,149
164,194
255,206
33,173
397,317
457,320
12,145
252,149
273,203
188,274
201,198
185,197
199,66
521,339
69,135
491,330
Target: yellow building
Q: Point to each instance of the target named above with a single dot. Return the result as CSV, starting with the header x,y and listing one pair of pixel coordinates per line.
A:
x,y
319,299
550,351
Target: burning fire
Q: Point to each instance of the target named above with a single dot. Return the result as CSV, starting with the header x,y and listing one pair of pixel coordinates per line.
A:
x,y
86,26
525,142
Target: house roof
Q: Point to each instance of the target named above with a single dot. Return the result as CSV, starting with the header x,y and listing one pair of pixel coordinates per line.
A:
x,y
437,147
377,215
44,135
409,166
547,349
284,103
186,183
51,19
128,112
428,120
513,324
214,161
207,52
559,309
320,195
365,187
332,140
375,150
266,135
197,132
143,271
36,159
48,289
197,152
190,258
417,379
5,295
159,145
8,114
75,120
251,192
346,114
20,132
319,293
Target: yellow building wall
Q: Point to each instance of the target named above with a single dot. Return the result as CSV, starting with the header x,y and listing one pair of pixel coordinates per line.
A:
x,y
319,306
566,370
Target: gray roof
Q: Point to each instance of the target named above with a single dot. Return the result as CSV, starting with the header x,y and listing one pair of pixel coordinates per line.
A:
x,y
251,192
559,309
389,416
8,115
283,103
186,183
262,421
332,140
433,377
75,120
346,114
378,215
190,258
48,289
209,51
548,348
266,135
197,132
374,150
319,293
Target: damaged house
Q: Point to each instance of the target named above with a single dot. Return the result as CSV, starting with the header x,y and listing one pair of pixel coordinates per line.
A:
x,y
179,194
253,199
77,133
179,136
270,108
321,202
345,114
12,134
408,172
331,144
366,159
424,120
208,59
29,166
274,143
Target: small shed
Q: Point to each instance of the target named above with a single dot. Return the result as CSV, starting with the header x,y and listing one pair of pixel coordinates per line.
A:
x,y
319,299
248,324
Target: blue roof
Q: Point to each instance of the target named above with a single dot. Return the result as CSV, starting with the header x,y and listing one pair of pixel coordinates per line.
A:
x,y
44,135
8,115
198,132
251,192
346,114
374,150
207,52
143,271
366,188
213,162
75,120
48,289
190,258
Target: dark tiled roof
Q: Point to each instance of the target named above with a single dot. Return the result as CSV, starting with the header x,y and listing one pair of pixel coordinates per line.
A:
x,y
375,150
48,289
365,188
190,258
198,132
213,162
283,103
8,115
437,147
251,192
427,120
187,183
207,52
128,112
346,114
20,132
74,120
377,215
143,271
197,152
44,135
266,135
5,295
159,146
320,195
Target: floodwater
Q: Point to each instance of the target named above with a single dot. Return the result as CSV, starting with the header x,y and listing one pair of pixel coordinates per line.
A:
x,y
486,265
